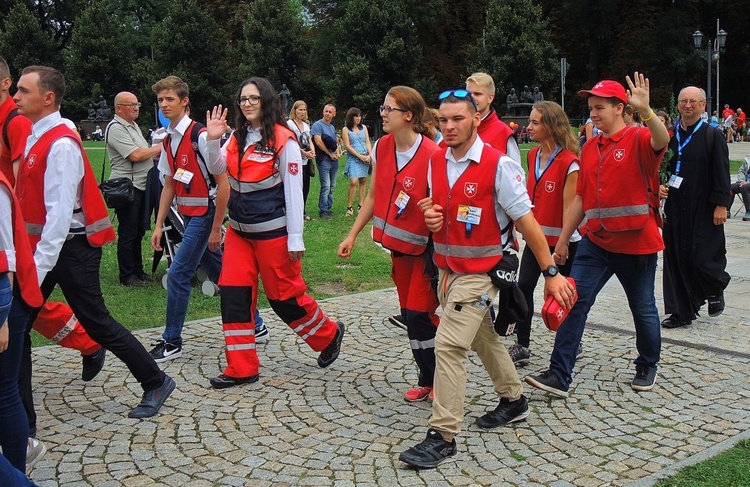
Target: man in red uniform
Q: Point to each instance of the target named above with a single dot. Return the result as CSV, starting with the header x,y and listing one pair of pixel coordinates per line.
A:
x,y
618,193
476,192
492,130
68,224
727,112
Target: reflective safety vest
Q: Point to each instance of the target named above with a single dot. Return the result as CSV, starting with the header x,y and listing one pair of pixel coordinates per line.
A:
x,y
25,273
402,230
30,188
257,206
459,246
547,193
192,198
621,201
495,132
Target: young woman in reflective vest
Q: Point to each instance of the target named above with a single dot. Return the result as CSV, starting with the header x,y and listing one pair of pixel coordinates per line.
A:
x,y
399,174
551,183
264,165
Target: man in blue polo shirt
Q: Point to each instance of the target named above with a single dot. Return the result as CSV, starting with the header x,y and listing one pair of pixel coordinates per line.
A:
x,y
326,143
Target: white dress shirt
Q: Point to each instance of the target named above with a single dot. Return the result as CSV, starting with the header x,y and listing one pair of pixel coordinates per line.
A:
x,y
177,134
6,228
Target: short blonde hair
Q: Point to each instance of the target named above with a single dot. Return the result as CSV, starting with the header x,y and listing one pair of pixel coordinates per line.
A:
x,y
482,79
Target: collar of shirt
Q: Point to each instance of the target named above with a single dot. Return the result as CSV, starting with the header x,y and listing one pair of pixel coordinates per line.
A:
x,y
181,126
473,154
125,122
605,141
252,137
44,124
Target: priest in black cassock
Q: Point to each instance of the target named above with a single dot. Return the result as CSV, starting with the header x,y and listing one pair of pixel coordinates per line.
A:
x,y
696,210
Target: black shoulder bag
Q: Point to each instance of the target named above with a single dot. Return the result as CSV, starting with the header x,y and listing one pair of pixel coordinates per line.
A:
x,y
118,192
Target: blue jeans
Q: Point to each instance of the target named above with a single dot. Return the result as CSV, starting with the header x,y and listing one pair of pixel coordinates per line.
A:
x,y
327,169
12,477
13,421
592,268
191,252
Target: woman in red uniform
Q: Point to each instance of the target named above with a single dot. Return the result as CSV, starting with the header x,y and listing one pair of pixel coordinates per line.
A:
x,y
399,172
551,183
264,164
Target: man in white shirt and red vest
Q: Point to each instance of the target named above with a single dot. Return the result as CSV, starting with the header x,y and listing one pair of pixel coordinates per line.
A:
x,y
618,191
478,193
68,224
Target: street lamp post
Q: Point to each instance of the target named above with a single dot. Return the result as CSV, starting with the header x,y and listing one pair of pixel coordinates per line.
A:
x,y
713,49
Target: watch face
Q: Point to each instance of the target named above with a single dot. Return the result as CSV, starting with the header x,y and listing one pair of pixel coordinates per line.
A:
x,y
551,271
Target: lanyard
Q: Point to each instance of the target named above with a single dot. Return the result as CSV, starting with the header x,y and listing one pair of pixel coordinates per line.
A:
x,y
681,145
537,168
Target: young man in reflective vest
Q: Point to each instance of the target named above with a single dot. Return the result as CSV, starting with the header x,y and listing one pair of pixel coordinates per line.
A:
x,y
618,191
477,191
201,198
68,223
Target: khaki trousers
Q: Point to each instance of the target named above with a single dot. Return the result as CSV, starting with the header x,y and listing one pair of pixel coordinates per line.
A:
x,y
465,325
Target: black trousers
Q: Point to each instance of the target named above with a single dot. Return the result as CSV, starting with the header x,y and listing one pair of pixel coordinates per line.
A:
x,y
130,232
528,276
77,273
306,175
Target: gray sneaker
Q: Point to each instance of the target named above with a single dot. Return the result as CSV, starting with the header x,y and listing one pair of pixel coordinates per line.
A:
x,y
34,452
519,354
645,378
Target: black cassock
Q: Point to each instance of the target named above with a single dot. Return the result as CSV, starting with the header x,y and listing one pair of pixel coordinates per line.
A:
x,y
695,249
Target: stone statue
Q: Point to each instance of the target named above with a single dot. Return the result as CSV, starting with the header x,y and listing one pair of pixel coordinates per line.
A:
x,y
538,95
103,112
91,112
526,96
512,97
286,99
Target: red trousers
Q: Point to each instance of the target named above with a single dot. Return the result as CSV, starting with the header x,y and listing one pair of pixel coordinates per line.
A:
x,y
244,260
57,322
418,302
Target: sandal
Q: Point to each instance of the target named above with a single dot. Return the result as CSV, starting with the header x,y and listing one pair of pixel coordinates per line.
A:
x,y
359,207
349,211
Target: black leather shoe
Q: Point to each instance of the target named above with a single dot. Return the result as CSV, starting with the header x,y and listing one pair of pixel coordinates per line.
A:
x,y
133,281
224,381
715,305
152,401
673,321
145,278
331,352
93,364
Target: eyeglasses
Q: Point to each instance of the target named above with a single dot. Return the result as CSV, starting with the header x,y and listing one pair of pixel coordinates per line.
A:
x,y
461,94
130,105
386,109
252,100
689,102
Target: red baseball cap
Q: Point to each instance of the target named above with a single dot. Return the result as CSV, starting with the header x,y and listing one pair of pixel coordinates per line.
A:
x,y
606,88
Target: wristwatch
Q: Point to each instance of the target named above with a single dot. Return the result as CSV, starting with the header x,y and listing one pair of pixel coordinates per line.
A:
x,y
551,271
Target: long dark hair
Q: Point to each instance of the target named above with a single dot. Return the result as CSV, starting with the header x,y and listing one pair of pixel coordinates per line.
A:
x,y
350,114
270,113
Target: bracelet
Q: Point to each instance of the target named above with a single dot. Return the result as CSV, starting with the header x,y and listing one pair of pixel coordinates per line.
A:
x,y
644,120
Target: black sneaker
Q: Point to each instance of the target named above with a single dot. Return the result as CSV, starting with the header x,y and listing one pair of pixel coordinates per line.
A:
x,y
579,351
398,320
430,453
519,354
715,305
547,381
92,364
506,412
164,351
331,352
645,378
674,321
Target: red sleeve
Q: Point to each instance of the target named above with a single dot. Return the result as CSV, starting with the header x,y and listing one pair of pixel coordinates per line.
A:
x,y
651,160
19,129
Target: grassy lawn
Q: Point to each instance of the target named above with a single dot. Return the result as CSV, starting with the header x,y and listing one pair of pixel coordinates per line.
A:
x,y
728,469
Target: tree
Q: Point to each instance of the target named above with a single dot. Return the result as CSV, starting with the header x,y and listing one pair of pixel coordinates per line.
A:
x,y
97,64
515,49
24,43
274,44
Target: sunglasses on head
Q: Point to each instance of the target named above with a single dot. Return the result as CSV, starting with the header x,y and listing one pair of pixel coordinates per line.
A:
x,y
459,93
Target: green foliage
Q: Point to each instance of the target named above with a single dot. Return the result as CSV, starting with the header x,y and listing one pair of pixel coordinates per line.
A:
x,y
728,469
23,42
516,47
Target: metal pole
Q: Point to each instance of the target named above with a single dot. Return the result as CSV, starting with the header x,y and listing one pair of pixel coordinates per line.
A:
x,y
716,48
708,81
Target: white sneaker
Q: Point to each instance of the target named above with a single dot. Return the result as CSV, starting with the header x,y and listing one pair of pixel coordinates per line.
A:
x,y
34,452
262,334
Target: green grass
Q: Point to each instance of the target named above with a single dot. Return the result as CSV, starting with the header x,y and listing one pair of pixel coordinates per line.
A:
x,y
728,469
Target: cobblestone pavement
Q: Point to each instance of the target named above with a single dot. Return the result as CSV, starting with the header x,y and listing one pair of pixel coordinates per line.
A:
x,y
346,425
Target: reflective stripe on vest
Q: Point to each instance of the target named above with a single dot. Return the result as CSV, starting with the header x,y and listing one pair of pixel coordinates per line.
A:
x,y
191,201
242,187
398,233
34,228
551,231
617,211
258,227
469,251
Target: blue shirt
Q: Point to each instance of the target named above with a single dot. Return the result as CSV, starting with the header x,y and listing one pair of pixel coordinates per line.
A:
x,y
321,128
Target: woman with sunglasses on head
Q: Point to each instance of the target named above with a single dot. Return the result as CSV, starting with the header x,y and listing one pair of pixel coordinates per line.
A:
x,y
264,165
399,174
300,125
551,184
